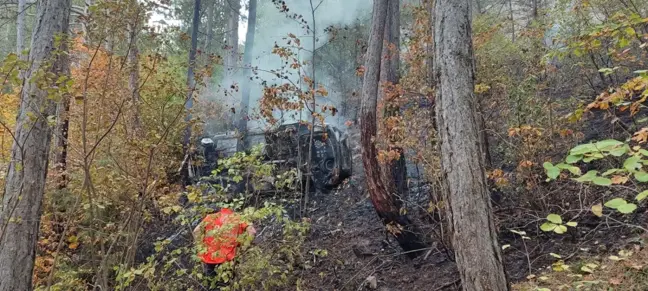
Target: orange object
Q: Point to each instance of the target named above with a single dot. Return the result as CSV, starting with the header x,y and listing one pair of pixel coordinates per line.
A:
x,y
221,233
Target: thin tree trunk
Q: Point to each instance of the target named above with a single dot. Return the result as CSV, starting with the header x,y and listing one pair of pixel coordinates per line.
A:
x,y
233,6
386,205
210,27
20,28
468,206
313,107
25,180
248,56
512,20
61,138
191,84
133,86
395,172
133,62
84,27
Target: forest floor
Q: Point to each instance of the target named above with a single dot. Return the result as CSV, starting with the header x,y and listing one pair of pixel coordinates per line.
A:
x,y
361,256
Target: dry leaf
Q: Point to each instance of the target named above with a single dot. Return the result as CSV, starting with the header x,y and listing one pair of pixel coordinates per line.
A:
x,y
619,180
615,281
597,210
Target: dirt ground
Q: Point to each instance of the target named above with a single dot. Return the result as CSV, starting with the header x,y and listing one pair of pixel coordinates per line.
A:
x,y
361,256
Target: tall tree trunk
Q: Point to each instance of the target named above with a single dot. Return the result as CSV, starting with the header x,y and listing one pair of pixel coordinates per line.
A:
x,y
191,85
387,206
133,63
25,180
512,20
395,172
233,6
211,5
468,206
20,28
248,56
84,22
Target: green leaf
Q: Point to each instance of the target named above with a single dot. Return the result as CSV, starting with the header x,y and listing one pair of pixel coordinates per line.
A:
x,y
547,226
602,181
610,171
620,151
586,269
632,163
572,223
573,169
557,256
583,149
623,42
642,195
627,208
560,229
588,177
552,171
593,157
573,159
555,218
641,176
615,203
608,144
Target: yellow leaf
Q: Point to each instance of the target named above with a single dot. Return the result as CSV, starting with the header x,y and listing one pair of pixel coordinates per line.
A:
x,y
597,210
73,246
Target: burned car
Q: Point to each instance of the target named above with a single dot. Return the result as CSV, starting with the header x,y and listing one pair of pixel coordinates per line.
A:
x,y
287,148
330,162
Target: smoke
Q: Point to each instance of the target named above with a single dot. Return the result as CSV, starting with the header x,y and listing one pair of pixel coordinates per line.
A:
x,y
273,26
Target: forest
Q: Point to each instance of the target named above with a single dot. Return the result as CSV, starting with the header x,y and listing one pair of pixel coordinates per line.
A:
x,y
323,145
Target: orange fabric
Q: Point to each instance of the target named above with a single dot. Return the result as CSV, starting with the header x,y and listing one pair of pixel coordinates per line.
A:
x,y
221,232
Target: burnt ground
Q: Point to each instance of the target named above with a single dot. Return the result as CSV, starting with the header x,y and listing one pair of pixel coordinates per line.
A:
x,y
345,224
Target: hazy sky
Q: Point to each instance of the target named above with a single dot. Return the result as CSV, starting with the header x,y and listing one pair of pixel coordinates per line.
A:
x,y
156,17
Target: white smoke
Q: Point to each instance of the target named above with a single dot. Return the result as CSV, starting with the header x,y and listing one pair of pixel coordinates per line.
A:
x,y
274,26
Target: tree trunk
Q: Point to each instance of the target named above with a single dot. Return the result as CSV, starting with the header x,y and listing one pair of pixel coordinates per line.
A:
x,y
191,84
387,205
20,28
395,172
247,62
210,27
468,206
512,20
61,138
133,63
233,6
25,180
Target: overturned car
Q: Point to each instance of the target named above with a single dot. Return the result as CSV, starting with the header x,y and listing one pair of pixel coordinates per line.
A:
x,y
288,148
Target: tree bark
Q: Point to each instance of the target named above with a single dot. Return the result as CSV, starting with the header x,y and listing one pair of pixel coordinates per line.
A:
x,y
210,27
247,62
191,84
395,172
386,204
25,181
61,138
468,206
232,36
20,28
133,63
